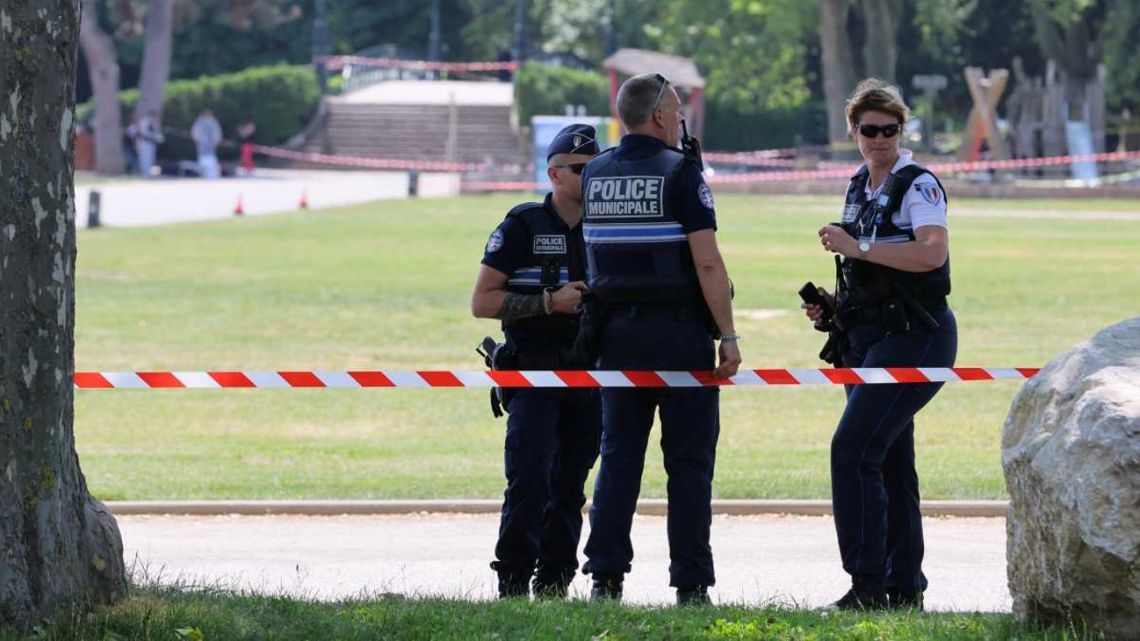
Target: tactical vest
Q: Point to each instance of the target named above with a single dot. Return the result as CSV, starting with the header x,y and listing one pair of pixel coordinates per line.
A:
x,y
636,249
548,265
863,283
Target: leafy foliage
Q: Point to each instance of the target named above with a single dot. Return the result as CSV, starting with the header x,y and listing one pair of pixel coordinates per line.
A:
x,y
278,99
750,51
542,89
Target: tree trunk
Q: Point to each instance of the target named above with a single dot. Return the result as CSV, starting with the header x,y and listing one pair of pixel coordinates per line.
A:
x,y
159,34
835,60
880,50
103,68
58,546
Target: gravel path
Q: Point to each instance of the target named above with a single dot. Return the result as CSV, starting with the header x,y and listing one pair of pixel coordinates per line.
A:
x,y
760,559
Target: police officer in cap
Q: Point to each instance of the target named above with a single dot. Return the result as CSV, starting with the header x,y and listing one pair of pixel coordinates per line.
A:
x,y
663,293
531,279
890,311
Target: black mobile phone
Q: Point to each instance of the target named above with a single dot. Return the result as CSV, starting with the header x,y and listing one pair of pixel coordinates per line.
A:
x,y
809,293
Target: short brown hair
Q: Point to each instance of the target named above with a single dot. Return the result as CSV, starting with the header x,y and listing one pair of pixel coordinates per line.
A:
x,y
874,94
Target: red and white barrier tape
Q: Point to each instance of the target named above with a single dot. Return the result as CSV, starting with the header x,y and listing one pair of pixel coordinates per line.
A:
x,y
951,167
339,62
559,378
365,162
831,169
476,185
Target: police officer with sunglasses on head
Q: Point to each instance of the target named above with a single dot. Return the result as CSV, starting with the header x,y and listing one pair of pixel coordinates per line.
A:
x,y
531,279
661,293
889,310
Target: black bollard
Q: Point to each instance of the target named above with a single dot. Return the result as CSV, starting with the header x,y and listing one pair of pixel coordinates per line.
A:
x,y
413,183
93,200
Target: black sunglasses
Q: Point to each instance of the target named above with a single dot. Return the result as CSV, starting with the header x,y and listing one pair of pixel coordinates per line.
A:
x,y
660,92
576,167
872,131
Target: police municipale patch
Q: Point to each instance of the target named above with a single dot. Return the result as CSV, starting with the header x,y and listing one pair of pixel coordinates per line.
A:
x,y
495,242
705,194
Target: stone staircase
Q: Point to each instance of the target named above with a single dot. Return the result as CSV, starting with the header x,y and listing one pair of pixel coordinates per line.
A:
x,y
482,133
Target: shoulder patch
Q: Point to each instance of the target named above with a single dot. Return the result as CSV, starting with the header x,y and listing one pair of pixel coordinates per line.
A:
x,y
705,194
930,192
495,242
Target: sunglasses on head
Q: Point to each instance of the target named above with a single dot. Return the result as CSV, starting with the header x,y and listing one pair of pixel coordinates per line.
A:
x,y
575,167
872,131
660,92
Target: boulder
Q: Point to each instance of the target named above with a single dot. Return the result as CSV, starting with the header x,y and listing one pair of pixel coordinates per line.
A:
x,y
1071,457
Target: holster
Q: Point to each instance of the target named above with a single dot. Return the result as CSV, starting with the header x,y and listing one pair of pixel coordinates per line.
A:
x,y
498,356
835,347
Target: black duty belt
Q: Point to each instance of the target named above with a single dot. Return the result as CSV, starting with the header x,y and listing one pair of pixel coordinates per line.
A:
x,y
874,313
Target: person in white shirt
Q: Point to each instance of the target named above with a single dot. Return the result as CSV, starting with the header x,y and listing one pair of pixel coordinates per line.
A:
x,y
207,135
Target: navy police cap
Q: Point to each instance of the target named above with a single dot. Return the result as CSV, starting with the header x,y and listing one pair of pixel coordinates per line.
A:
x,y
573,139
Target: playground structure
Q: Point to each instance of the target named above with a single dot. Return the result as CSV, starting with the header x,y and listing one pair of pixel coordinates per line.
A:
x,y
1054,116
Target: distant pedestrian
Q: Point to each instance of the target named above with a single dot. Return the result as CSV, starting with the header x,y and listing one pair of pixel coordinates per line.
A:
x,y
148,136
207,135
245,135
505,75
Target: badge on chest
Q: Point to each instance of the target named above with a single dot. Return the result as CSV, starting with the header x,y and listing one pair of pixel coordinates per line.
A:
x,y
549,244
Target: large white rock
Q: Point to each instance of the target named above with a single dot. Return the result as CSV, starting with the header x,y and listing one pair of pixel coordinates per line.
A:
x,y
1071,455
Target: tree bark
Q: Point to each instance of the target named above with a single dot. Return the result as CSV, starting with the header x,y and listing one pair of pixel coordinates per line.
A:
x,y
157,49
880,49
58,546
835,60
103,68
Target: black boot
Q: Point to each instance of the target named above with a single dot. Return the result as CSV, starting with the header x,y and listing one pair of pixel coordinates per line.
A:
x,y
606,588
861,597
906,599
552,587
696,595
513,585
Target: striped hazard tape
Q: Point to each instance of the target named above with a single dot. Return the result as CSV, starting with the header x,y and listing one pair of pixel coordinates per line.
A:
x,y
559,378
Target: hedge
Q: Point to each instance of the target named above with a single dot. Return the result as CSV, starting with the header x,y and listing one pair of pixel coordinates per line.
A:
x,y
279,99
546,90
543,90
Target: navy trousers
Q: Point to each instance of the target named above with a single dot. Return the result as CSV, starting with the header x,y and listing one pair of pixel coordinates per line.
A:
x,y
690,426
551,444
874,485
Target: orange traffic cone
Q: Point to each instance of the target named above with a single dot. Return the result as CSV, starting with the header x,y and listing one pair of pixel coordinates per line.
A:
x,y
304,202
238,209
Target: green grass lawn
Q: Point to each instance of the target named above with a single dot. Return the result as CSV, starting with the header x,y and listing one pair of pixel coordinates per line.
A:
x,y
387,286
172,614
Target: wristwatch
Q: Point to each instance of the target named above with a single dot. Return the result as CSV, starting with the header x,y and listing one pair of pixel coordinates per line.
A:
x,y
864,247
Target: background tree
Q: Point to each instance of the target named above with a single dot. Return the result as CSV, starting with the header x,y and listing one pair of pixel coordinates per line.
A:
x,y
748,50
103,71
158,44
1121,33
836,66
60,547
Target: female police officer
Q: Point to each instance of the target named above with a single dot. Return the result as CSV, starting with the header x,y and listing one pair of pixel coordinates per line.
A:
x,y
890,311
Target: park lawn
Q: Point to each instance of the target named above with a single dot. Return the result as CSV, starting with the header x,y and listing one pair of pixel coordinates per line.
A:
x,y
387,286
197,614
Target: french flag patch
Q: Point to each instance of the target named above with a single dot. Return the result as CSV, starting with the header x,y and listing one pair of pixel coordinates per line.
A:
x,y
930,193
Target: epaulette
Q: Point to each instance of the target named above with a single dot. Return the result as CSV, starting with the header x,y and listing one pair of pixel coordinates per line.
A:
x,y
522,208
